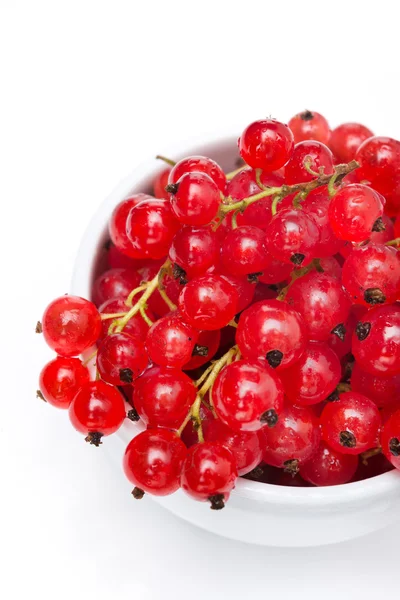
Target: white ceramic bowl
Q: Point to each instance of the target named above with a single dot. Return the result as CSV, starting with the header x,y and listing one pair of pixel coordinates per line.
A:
x,y
256,513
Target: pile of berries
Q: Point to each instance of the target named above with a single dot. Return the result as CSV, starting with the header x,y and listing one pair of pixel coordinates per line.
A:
x,y
250,320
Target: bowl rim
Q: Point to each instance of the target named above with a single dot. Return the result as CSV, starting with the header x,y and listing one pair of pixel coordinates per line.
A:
x,y
365,490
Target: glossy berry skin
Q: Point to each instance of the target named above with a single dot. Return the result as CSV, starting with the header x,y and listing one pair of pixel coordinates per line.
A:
x,y
209,470
244,445
71,325
379,159
388,234
351,424
170,342
150,227
321,302
382,390
196,200
314,376
117,260
160,183
293,237
275,271
353,212
114,283
346,139
162,396
293,440
271,330
390,439
195,250
248,395
266,144
376,341
60,380
329,467
97,408
153,461
117,224
199,164
316,205
371,274
318,155
310,125
136,325
121,358
209,340
342,345
208,302
244,251
244,288
171,285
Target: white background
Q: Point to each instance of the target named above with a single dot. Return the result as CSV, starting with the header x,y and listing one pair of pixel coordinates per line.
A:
x,y
88,89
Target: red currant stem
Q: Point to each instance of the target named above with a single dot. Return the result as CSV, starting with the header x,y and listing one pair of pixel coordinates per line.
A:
x,y
258,179
87,360
151,286
238,356
331,185
395,242
211,405
233,323
232,174
234,219
145,317
169,161
343,387
204,375
112,315
369,454
129,300
218,365
340,172
297,273
274,205
185,422
297,200
308,161
167,300
197,418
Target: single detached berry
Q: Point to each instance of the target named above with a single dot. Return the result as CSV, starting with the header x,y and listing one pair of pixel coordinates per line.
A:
x,y
390,439
310,125
114,283
162,396
153,462
71,325
195,199
376,341
371,274
199,164
208,302
98,409
60,380
171,342
329,467
351,424
293,237
309,158
244,445
209,473
293,440
248,395
194,250
121,358
322,303
354,212
314,376
272,331
266,145
346,139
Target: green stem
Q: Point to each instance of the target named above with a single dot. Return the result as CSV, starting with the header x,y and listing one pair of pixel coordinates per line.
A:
x,y
395,242
169,161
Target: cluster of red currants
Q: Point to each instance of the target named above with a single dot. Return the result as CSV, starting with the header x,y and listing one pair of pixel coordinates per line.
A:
x,y
246,319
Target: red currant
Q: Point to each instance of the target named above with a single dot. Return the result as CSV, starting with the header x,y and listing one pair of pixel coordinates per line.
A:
x,y
382,390
117,260
314,376
346,139
248,395
244,251
309,125
354,212
351,424
273,331
314,155
121,358
71,325
114,283
390,439
293,237
386,231
208,302
98,409
136,325
244,288
199,164
266,145
379,159
209,473
162,396
153,462
170,342
195,199
60,380
117,225
194,250
316,205
209,342
329,467
160,183
150,228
